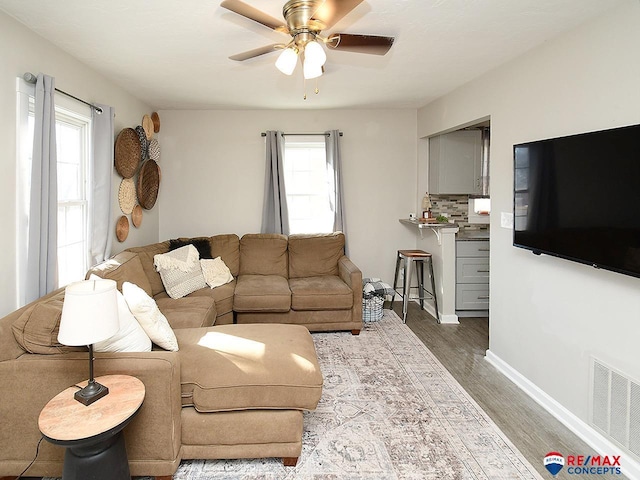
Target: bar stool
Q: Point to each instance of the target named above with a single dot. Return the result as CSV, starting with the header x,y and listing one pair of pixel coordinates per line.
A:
x,y
408,257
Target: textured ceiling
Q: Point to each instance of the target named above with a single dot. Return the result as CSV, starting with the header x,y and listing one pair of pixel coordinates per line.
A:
x,y
174,53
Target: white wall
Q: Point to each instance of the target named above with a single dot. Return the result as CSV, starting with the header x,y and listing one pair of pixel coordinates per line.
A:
x,y
23,51
213,166
548,315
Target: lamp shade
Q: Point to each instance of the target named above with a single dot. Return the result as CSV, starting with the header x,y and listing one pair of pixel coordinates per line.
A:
x,y
313,52
287,61
311,69
89,312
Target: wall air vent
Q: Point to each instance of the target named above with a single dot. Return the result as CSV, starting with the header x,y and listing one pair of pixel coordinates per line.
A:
x,y
615,406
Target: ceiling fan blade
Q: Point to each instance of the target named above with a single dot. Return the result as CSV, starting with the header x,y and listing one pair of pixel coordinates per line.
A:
x,y
256,52
331,11
254,14
371,44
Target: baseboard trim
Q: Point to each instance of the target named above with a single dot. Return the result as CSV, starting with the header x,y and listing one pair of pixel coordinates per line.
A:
x,y
590,436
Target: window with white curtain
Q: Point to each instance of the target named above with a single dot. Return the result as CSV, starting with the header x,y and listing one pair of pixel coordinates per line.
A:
x,y
73,137
307,186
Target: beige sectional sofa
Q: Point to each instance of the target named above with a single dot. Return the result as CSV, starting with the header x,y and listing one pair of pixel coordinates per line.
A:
x,y
221,395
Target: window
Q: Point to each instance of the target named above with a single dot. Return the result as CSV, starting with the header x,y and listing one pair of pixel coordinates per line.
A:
x,y
307,186
73,127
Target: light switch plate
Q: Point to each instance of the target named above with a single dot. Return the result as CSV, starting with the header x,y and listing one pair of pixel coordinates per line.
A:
x,y
506,219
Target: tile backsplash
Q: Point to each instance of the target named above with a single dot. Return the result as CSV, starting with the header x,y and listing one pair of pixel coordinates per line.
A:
x,y
455,207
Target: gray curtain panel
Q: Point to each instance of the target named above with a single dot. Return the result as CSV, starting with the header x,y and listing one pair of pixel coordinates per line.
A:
x,y
334,178
100,231
42,261
275,215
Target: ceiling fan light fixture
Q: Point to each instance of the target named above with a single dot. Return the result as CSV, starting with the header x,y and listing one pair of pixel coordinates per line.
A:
x,y
287,61
314,52
311,69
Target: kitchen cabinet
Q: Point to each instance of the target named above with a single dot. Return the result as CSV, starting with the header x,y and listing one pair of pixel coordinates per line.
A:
x,y
455,163
472,275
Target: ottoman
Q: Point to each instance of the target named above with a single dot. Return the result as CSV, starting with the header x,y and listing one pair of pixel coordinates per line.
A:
x,y
244,388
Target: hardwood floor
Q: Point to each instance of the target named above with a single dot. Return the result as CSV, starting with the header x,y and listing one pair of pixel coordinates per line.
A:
x,y
461,349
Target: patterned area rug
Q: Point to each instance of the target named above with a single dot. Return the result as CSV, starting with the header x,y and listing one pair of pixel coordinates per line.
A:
x,y
389,410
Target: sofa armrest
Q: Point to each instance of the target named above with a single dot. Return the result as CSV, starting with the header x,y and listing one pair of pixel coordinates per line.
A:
x,y
352,276
30,381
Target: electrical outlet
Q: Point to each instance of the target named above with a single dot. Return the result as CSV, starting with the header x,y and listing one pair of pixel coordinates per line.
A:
x,y
506,220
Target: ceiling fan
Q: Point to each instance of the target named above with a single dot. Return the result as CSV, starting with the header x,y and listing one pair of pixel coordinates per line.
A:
x,y
304,22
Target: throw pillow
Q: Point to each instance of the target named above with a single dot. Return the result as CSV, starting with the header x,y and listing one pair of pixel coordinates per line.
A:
x,y
180,271
151,319
202,245
130,337
215,272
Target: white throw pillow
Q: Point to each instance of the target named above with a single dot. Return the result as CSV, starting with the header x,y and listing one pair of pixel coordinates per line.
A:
x,y
180,271
215,272
154,323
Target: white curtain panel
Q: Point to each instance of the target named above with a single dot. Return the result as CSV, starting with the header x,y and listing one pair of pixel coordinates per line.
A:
x,y
334,178
102,154
275,214
42,264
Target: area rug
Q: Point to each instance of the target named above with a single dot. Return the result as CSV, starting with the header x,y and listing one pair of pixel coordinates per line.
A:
x,y
389,410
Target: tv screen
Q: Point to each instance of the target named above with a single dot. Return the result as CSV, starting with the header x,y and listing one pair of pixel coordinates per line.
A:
x,y
578,198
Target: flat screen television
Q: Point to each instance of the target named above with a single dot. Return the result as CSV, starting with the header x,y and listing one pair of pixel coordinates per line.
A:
x,y
578,198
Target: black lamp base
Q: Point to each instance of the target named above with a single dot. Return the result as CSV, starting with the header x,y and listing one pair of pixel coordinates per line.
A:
x,y
92,392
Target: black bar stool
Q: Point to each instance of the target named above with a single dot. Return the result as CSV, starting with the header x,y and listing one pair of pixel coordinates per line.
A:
x,y
420,257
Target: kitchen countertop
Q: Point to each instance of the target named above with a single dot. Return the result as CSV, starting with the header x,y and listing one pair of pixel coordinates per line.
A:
x,y
416,223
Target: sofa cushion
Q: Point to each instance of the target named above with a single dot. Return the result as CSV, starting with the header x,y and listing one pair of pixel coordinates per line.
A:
x,y
180,271
253,366
188,312
262,293
315,255
146,311
146,254
222,295
123,267
327,292
36,330
227,247
263,254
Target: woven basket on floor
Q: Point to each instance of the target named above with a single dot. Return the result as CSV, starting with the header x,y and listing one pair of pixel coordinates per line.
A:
x,y
127,153
148,184
372,308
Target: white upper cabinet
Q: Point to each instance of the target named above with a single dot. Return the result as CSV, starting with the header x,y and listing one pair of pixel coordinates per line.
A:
x,y
455,163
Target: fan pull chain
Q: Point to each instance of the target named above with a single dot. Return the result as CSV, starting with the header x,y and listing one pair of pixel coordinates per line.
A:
x,y
317,91
304,83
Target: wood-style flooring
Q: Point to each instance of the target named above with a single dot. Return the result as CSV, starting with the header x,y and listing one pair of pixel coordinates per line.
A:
x,y
461,349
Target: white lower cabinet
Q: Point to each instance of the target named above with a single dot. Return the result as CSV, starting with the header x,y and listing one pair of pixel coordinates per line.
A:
x,y
472,275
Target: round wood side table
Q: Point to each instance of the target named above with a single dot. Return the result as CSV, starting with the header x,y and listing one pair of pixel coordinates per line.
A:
x,y
92,434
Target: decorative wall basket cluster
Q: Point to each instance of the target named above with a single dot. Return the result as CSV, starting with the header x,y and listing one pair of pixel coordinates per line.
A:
x,y
137,152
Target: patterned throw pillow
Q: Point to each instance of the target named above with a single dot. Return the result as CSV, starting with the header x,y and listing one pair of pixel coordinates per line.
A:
x,y
215,272
151,319
180,271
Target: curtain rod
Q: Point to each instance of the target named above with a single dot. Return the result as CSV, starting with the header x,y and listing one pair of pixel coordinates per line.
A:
x,y
264,134
31,78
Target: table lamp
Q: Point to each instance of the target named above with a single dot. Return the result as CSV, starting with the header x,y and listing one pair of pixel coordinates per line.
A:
x,y
89,315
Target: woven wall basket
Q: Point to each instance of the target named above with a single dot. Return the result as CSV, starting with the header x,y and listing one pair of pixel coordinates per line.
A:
x,y
154,149
155,118
147,125
148,184
127,195
144,143
136,216
122,228
127,152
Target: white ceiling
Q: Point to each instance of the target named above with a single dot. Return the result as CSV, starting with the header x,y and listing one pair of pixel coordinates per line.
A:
x,y
174,53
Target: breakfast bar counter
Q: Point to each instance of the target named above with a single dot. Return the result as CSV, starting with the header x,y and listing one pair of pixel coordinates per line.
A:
x,y
439,239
